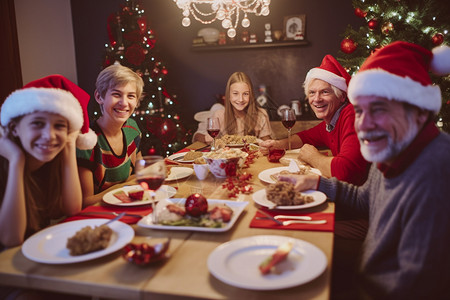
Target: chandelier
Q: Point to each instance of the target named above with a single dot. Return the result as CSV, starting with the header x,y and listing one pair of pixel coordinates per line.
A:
x,y
227,11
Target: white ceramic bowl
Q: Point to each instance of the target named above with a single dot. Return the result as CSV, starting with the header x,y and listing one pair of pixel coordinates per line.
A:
x,y
210,35
217,165
201,171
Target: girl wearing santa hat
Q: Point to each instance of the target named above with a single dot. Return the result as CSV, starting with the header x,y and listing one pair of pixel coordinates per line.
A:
x,y
41,126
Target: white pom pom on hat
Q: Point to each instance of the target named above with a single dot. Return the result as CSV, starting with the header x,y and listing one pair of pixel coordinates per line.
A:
x,y
399,71
55,94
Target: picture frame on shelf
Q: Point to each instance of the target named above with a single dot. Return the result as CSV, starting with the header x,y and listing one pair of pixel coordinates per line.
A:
x,y
294,27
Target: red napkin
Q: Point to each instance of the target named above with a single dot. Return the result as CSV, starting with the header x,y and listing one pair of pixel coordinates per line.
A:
x,y
139,210
263,223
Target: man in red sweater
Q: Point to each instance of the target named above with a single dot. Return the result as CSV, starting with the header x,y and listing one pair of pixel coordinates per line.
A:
x,y
326,90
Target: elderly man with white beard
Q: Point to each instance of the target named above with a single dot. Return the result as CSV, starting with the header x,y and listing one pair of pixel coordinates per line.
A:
x,y
405,253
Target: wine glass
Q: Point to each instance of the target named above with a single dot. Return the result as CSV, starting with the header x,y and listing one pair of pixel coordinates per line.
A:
x,y
288,121
213,128
151,173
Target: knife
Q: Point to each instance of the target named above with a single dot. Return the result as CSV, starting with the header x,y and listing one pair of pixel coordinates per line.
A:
x,y
270,217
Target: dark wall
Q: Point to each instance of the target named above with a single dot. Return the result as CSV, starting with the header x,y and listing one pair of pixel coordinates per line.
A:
x,y
196,77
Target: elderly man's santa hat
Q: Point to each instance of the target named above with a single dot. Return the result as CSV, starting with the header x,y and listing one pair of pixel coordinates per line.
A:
x,y
331,71
399,71
54,94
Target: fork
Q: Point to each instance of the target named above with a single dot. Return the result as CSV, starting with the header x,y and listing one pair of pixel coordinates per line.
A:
x,y
276,218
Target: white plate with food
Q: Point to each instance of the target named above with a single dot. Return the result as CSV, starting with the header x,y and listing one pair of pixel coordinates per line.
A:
x,y
134,195
236,206
177,173
260,198
49,245
237,263
185,157
269,175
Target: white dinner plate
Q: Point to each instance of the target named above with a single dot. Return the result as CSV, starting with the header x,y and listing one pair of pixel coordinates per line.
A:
x,y
177,157
237,207
260,198
236,262
163,192
265,175
177,173
49,245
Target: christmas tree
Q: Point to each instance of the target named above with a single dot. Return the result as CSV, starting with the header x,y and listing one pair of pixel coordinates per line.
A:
x,y
132,44
425,23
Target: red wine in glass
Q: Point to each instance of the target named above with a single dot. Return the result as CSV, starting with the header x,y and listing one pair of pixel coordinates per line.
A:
x,y
288,124
213,129
288,120
213,132
150,173
151,183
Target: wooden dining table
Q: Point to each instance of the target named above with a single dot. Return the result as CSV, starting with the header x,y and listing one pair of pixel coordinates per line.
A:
x,y
184,274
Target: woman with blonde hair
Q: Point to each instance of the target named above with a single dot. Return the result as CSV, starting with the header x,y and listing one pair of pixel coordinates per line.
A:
x,y
241,115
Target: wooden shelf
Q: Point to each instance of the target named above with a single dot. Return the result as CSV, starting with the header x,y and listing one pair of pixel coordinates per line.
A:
x,y
249,46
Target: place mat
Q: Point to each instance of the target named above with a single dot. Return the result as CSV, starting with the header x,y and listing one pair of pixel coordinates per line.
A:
x,y
139,210
262,223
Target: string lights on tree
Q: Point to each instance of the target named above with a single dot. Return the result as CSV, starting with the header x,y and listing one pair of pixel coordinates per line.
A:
x,y
425,23
132,44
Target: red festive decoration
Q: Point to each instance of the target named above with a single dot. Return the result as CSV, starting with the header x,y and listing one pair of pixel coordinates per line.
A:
x,y
387,27
360,13
142,22
348,45
196,205
373,23
133,36
152,151
135,54
437,39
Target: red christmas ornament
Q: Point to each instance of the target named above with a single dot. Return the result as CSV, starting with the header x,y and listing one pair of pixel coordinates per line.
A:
x,y
348,45
151,151
196,205
360,13
373,23
437,39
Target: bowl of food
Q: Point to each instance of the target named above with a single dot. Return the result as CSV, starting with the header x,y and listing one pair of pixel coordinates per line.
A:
x,y
224,162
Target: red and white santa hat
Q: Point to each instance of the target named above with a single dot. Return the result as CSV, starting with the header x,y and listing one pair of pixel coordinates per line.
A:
x,y
54,94
331,71
399,71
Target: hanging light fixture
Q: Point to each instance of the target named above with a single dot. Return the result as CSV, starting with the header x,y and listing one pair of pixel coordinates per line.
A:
x,y
227,11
